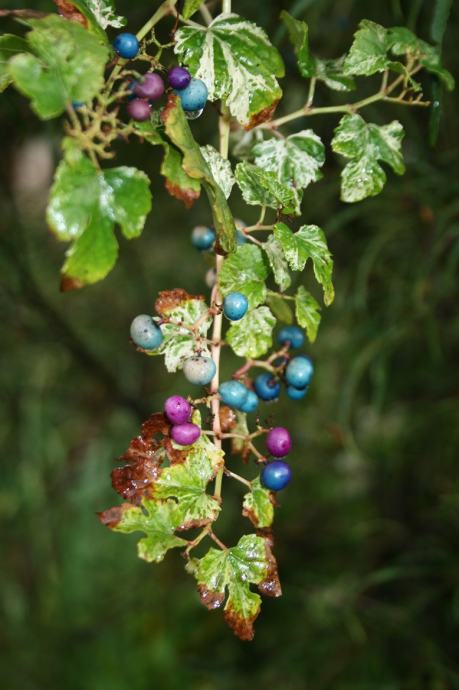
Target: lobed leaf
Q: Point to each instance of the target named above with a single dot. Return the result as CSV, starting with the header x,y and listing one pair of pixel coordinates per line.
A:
x,y
262,188
258,505
251,337
368,53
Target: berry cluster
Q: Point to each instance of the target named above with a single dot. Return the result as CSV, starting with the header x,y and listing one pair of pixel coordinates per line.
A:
x,y
193,93
178,411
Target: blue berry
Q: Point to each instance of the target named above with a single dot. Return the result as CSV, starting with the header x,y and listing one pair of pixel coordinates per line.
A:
x,y
194,96
145,333
234,394
299,372
266,386
296,393
235,306
251,403
291,334
126,45
202,237
76,105
199,370
276,475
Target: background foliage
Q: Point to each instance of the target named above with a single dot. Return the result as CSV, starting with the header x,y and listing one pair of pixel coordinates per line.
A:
x,y
367,534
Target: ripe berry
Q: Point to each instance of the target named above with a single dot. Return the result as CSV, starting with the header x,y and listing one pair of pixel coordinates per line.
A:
x,y
145,333
276,475
185,434
291,334
278,442
194,96
199,370
177,409
126,45
251,403
151,87
299,371
235,306
266,386
139,109
233,393
296,393
202,237
178,78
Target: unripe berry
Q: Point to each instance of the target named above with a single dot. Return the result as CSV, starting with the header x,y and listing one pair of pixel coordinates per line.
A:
x,y
276,475
202,237
177,409
233,393
126,45
278,442
145,333
299,371
199,370
194,96
296,393
235,306
251,403
139,109
291,334
151,87
185,434
178,78
266,386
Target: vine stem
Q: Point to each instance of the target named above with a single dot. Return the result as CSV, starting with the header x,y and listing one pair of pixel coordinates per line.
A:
x,y
163,10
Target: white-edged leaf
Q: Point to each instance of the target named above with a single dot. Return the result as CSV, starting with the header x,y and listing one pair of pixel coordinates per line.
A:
x,y
179,342
105,13
262,188
252,335
278,263
220,168
296,160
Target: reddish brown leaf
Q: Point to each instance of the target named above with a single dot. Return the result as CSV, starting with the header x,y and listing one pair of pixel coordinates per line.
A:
x,y
228,419
211,600
171,299
68,284
185,194
270,586
262,116
175,456
67,9
241,627
112,516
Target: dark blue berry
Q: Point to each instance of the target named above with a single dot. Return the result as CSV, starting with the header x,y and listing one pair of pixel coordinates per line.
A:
x,y
291,334
235,306
126,45
276,475
266,386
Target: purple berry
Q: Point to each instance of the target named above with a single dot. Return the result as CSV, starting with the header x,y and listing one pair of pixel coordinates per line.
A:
x,y
139,110
151,87
178,78
177,409
278,442
185,434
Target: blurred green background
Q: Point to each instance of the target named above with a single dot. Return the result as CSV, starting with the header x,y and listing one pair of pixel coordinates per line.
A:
x,y
367,536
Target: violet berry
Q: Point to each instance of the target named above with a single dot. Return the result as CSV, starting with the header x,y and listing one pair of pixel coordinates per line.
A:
x,y
185,434
178,78
278,442
139,109
177,409
151,87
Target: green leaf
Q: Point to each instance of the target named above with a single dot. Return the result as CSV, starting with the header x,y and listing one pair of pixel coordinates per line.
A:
x,y
440,18
280,308
239,445
187,483
296,160
402,41
10,45
220,168
236,60
367,144
261,188
179,132
252,336
298,32
233,571
258,505
67,65
245,271
179,342
105,13
307,312
157,520
84,205
331,72
278,262
368,53
308,243
190,7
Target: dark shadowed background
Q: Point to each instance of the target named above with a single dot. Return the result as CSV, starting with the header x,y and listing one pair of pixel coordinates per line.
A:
x,y
367,536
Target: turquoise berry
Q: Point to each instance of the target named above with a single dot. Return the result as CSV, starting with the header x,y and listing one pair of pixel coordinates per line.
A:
x,y
145,333
199,370
235,306
291,334
266,386
251,403
233,393
202,238
126,45
194,96
296,393
276,475
299,372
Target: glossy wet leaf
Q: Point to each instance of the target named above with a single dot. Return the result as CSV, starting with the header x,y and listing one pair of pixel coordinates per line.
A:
x,y
84,206
262,188
258,505
67,65
252,336
307,311
367,146
245,271
278,262
236,60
